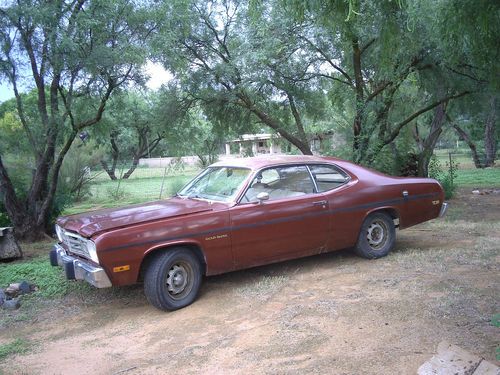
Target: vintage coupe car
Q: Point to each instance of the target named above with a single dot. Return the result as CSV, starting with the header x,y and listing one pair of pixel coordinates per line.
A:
x,y
239,214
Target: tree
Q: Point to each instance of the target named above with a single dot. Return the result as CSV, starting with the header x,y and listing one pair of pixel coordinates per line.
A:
x,y
236,64
482,110
359,45
131,131
465,35
73,51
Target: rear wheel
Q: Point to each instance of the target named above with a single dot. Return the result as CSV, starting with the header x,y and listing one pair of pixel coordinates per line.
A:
x,y
376,237
172,279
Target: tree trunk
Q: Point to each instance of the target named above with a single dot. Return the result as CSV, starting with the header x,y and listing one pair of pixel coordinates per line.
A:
x,y
464,136
115,153
23,218
109,170
490,142
426,146
301,144
131,170
357,125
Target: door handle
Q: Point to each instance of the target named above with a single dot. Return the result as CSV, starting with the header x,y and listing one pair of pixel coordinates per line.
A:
x,y
320,203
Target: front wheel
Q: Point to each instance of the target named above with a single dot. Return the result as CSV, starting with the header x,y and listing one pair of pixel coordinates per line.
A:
x,y
172,279
376,237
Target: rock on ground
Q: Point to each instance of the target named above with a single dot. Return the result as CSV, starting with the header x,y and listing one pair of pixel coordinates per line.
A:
x,y
11,304
9,248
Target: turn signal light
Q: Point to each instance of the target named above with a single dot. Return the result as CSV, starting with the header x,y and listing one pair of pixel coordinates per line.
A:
x,y
121,268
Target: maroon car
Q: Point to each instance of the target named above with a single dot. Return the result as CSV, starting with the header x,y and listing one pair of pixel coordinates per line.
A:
x,y
239,214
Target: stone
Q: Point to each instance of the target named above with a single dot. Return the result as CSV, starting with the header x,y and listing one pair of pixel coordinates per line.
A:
x,y
24,287
11,304
12,290
476,192
3,297
9,248
451,359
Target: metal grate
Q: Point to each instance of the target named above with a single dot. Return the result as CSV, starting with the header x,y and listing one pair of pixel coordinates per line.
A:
x,y
76,244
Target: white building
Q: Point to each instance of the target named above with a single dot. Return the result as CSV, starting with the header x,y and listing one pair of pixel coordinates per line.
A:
x,y
256,143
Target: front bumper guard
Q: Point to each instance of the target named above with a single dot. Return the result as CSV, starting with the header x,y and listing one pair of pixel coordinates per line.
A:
x,y
78,269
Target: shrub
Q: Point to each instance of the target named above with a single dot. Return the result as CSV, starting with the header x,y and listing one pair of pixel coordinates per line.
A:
x,y
445,177
76,173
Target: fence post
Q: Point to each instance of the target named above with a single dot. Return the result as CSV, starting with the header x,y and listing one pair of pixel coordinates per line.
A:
x,y
163,181
450,168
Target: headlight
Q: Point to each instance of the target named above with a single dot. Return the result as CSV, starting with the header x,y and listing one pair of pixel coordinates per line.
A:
x,y
59,233
92,251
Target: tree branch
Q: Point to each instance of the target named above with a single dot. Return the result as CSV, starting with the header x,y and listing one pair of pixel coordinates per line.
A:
x,y
399,126
327,59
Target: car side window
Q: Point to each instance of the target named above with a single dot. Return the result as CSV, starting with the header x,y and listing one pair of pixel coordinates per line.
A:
x,y
328,177
279,183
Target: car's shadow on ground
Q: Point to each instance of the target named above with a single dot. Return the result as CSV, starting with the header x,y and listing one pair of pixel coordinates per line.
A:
x,y
133,295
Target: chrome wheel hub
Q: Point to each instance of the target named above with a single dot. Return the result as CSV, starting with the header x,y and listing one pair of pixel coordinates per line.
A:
x,y
377,234
177,279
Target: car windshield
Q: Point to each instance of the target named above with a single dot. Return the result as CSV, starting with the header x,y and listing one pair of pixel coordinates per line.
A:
x,y
220,184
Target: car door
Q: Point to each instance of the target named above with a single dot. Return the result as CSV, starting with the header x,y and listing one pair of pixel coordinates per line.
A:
x,y
293,222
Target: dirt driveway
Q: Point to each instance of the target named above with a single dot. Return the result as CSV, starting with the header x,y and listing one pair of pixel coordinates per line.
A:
x,y
333,313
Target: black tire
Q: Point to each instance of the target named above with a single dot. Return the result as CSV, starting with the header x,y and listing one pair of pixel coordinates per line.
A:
x,y
376,237
173,279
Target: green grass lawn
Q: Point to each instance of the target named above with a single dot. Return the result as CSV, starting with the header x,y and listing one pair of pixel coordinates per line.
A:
x,y
478,178
146,184
467,174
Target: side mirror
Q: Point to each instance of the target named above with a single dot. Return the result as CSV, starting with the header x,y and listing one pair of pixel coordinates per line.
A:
x,y
263,196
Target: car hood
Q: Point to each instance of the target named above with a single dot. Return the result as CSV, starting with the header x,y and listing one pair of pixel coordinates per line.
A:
x,y
90,223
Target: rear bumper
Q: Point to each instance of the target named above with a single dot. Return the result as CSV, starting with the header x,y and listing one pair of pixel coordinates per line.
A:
x,y
78,269
444,208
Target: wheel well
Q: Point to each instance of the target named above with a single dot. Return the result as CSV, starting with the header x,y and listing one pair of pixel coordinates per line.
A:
x,y
152,254
394,214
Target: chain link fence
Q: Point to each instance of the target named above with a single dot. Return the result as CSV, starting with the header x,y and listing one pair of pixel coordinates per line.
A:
x,y
147,183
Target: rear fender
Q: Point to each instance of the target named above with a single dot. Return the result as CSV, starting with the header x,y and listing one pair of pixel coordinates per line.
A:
x,y
392,211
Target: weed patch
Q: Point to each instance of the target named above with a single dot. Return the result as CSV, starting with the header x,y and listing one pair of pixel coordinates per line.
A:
x,y
263,288
50,280
18,346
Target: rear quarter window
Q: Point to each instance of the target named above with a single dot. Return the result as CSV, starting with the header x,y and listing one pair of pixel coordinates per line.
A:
x,y
328,177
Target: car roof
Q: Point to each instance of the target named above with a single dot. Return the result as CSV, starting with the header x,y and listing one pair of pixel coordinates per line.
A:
x,y
261,161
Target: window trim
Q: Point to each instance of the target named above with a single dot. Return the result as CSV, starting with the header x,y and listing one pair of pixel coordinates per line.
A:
x,y
239,200
349,177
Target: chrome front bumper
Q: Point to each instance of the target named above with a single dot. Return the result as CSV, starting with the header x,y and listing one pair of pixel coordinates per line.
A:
x,y
444,208
78,269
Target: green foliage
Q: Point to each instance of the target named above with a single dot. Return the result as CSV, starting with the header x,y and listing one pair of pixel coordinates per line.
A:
x,y
495,320
446,177
50,281
18,346
116,193
76,173
4,218
79,54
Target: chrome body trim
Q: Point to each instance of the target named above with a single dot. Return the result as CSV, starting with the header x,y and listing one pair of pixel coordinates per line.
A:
x,y
444,208
75,243
83,270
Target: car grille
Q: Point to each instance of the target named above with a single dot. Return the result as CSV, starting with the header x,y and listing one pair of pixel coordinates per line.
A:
x,y
76,244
